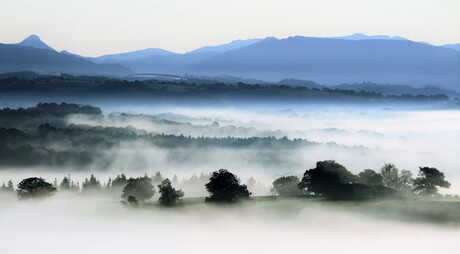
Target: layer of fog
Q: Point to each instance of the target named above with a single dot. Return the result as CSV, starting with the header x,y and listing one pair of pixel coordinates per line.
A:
x,y
408,138
70,224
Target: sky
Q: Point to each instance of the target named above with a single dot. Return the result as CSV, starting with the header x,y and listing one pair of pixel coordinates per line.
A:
x,y
98,27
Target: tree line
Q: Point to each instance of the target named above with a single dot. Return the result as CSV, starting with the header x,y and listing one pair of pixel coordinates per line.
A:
x,y
194,89
328,179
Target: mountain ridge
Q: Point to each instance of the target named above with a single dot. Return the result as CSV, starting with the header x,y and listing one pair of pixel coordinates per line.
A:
x,y
15,58
332,61
35,42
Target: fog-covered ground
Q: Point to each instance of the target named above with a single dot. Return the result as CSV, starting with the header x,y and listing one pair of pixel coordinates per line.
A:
x,y
358,137
76,224
408,137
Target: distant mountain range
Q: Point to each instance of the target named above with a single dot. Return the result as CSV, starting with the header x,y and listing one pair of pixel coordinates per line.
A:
x,y
336,61
234,45
330,61
129,56
359,36
34,55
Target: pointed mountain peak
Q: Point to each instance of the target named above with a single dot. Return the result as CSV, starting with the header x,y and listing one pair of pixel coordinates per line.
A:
x,y
32,37
35,42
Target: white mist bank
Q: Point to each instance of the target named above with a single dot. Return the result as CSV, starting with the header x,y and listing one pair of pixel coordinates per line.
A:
x,y
408,138
64,224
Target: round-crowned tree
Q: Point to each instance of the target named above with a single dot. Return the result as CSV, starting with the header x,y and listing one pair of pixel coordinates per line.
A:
x,y
326,178
428,180
141,188
168,195
34,187
224,186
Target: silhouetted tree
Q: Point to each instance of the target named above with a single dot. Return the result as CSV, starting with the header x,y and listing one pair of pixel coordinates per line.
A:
x,y
91,185
428,180
168,195
224,186
34,187
141,188
287,186
326,178
390,175
370,178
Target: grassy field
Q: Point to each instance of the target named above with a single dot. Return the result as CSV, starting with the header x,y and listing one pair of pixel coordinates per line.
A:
x,y
439,211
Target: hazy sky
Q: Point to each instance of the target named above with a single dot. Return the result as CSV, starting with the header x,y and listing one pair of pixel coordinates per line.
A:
x,y
96,27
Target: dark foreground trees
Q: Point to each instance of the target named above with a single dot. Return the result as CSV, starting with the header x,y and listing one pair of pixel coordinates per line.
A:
x,y
428,180
34,187
224,186
326,178
287,186
141,188
168,195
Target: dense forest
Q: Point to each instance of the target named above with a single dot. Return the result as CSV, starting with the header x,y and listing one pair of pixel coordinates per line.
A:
x,y
42,136
196,89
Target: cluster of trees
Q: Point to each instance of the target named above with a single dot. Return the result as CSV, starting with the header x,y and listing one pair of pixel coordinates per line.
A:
x,y
34,187
328,179
53,109
83,145
134,190
223,186
332,179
